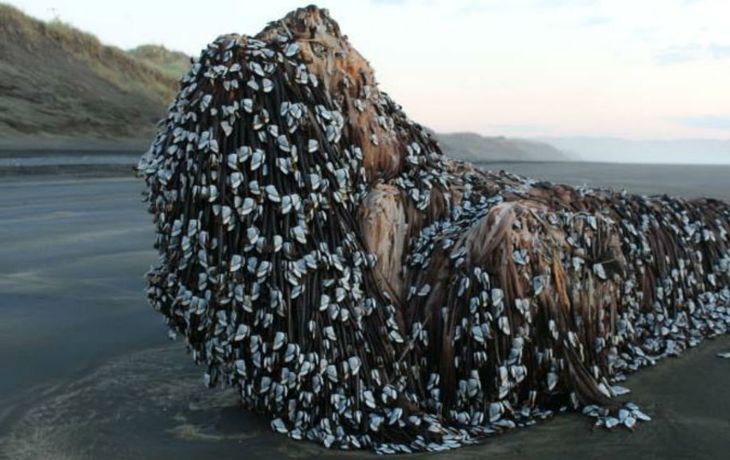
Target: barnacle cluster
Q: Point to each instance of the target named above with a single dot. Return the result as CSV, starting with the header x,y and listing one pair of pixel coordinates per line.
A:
x,y
320,254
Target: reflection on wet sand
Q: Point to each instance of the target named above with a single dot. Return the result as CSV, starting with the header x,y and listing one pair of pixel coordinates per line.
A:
x,y
126,406
152,403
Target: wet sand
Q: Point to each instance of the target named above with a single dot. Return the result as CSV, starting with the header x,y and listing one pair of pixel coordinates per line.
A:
x,y
89,373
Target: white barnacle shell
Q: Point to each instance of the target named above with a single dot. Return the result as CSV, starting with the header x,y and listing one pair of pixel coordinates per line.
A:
x,y
324,302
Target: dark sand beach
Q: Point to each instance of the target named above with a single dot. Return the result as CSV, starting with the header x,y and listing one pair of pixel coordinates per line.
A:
x,y
88,371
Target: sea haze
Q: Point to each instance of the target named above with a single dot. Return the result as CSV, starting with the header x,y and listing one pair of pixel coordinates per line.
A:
x,y
673,151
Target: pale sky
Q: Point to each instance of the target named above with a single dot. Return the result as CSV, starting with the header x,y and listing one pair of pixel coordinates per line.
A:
x,y
639,69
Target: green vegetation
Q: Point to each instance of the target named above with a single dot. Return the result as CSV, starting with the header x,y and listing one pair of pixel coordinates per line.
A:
x,y
171,63
56,80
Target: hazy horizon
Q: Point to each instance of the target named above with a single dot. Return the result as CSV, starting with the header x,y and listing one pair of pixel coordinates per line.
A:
x,y
635,151
530,68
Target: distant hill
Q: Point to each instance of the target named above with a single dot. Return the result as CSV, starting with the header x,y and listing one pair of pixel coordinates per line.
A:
x,y
618,150
476,148
59,85
174,64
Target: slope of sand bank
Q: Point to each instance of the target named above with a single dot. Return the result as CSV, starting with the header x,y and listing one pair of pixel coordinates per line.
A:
x,y
88,372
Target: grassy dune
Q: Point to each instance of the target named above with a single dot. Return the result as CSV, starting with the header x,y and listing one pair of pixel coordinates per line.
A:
x,y
171,63
59,83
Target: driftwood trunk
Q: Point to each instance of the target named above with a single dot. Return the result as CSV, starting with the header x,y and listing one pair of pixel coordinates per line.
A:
x,y
319,253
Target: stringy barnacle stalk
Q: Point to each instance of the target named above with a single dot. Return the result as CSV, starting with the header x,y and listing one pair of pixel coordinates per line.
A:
x,y
320,254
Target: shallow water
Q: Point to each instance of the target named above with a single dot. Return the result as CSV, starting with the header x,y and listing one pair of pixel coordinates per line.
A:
x,y
68,159
689,181
87,370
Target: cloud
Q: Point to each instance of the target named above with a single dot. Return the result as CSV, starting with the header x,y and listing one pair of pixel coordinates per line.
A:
x,y
388,2
565,3
677,54
719,51
595,21
692,52
721,122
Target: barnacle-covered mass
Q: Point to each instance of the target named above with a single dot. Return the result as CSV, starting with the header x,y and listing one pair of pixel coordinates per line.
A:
x,y
321,255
